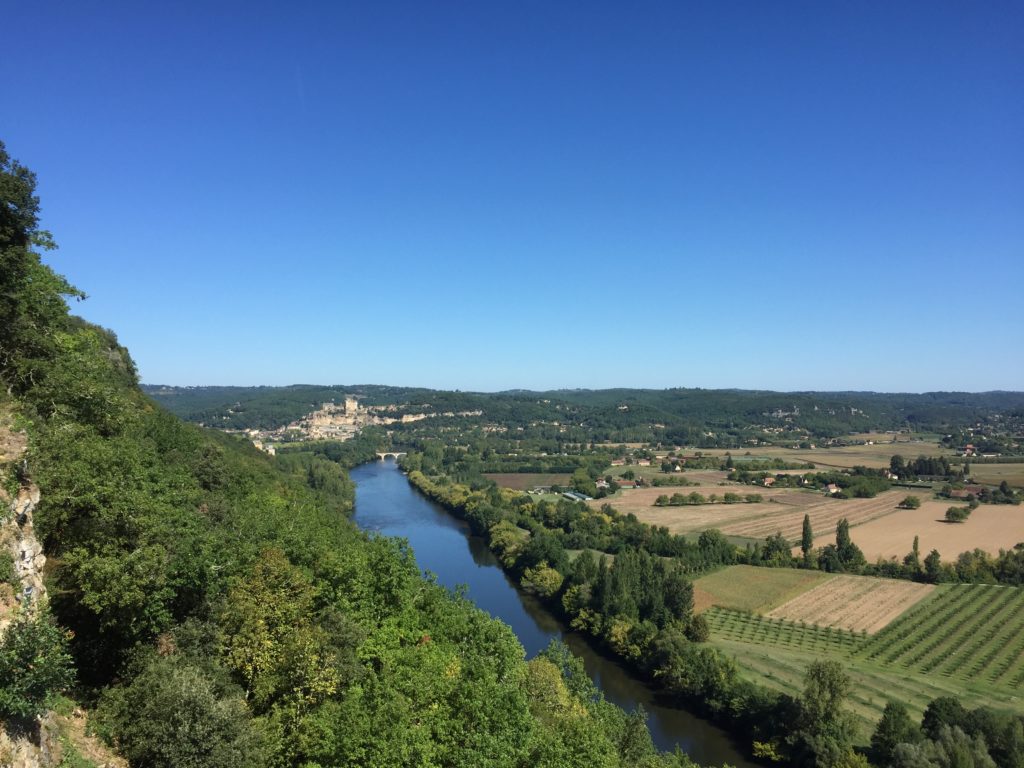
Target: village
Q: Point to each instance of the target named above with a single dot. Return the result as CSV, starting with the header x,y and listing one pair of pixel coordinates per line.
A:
x,y
338,421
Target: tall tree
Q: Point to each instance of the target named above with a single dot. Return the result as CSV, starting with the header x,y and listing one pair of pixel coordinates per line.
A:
x,y
893,729
807,541
824,730
32,304
849,553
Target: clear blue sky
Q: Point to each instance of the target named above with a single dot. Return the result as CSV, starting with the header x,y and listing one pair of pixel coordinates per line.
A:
x,y
485,195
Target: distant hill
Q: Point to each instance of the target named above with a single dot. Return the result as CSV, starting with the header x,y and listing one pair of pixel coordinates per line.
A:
x,y
823,414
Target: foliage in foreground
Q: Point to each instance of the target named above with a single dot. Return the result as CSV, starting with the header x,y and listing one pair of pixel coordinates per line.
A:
x,y
35,665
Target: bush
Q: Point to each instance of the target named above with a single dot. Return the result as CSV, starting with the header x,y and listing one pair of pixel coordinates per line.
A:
x,y
34,665
7,573
173,714
958,514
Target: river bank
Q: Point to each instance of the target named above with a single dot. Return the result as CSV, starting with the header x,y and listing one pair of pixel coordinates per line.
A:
x,y
387,503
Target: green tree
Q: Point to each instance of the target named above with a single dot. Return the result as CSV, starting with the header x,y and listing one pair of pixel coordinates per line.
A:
x,y
34,665
807,541
32,296
933,571
824,730
849,553
913,559
174,715
698,630
898,466
943,711
894,728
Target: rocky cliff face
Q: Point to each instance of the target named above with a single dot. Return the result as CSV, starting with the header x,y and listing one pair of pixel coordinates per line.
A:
x,y
29,745
38,744
18,540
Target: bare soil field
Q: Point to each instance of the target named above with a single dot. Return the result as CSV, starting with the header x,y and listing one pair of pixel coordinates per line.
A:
x,y
525,481
748,588
853,603
825,514
990,527
700,517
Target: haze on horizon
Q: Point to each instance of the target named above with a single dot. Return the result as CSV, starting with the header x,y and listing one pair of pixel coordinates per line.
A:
x,y
791,196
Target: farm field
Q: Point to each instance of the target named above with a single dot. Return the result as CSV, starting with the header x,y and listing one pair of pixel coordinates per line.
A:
x,y
877,525
877,455
994,474
973,632
853,603
698,476
825,514
525,481
782,668
990,527
782,511
748,588
965,641
689,519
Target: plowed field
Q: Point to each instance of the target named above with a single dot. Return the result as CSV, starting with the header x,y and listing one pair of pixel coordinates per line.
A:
x,y
853,603
824,514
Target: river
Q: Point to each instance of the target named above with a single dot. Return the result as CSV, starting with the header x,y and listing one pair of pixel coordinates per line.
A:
x,y
388,504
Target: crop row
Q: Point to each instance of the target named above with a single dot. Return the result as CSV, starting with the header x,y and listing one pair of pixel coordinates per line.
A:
x,y
750,628
973,632
904,634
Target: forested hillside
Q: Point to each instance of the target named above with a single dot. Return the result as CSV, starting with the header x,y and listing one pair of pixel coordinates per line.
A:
x,y
706,418
223,610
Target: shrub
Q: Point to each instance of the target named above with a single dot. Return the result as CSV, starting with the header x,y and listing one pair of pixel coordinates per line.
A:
x,y
34,665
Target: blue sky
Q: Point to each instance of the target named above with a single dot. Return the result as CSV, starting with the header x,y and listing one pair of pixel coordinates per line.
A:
x,y
498,195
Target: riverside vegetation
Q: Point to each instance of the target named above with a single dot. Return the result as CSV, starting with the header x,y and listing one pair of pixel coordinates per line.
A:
x,y
220,609
626,584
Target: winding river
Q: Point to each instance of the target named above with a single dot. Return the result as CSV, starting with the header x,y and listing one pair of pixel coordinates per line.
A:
x,y
387,503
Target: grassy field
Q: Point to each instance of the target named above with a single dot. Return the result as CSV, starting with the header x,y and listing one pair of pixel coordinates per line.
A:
x,y
751,589
994,474
525,481
965,641
781,666
876,455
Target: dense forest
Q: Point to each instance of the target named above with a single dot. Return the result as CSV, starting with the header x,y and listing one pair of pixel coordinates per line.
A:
x,y
213,606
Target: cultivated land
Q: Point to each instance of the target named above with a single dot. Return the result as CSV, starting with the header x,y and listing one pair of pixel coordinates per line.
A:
x,y
853,603
689,518
879,527
782,511
752,589
994,474
965,641
825,514
525,481
877,455
991,527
